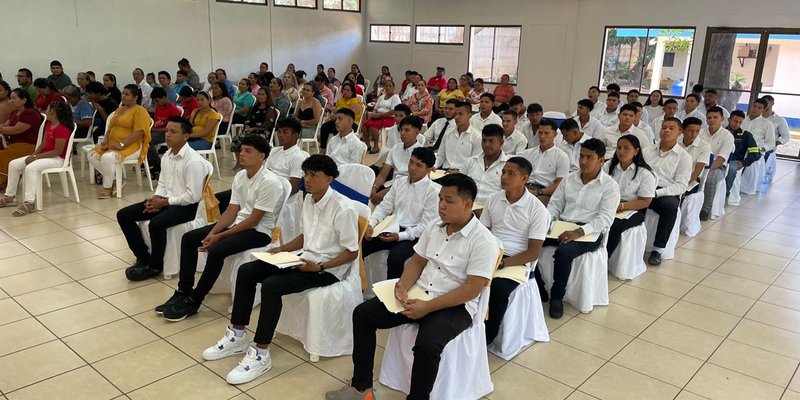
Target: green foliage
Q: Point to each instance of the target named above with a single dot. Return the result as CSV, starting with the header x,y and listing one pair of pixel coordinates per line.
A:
x,y
675,43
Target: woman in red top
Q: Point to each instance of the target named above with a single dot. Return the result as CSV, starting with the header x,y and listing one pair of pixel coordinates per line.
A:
x,y
50,154
20,132
47,94
503,93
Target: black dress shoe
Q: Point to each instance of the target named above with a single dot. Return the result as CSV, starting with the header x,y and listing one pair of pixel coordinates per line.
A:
x,y
170,302
140,263
556,308
655,258
704,215
137,274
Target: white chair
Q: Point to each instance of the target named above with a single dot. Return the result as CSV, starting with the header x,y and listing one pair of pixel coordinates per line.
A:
x,y
321,318
359,177
172,253
86,149
273,136
690,209
361,123
752,176
79,142
587,285
305,143
212,152
64,170
627,261
523,322
718,206
464,366
735,196
366,85
132,159
226,136
554,115
651,223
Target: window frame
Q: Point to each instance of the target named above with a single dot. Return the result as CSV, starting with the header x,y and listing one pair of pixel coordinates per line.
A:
x,y
316,5
342,9
410,32
265,2
494,41
463,41
603,54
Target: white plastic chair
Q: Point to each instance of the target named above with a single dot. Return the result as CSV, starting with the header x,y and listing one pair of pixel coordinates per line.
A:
x,y
64,170
554,115
464,366
305,143
359,177
735,196
86,149
78,143
225,137
523,323
361,120
587,285
690,209
752,176
273,136
321,318
627,261
172,259
718,206
132,159
212,152
651,223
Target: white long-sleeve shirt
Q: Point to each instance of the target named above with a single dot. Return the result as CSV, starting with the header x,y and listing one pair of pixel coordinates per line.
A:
x,y
763,131
593,204
673,168
781,128
182,176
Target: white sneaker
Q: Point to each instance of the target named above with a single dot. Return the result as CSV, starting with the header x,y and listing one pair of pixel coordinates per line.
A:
x,y
251,367
227,346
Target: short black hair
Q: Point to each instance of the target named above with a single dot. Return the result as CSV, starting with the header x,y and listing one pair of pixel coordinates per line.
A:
x,y
26,72
320,163
636,104
549,122
179,72
522,163
157,93
465,105
737,113
517,99
186,126
534,108
612,95
633,91
711,91
290,122
426,155
96,87
692,95
594,87
670,101
413,121
165,73
569,124
691,121
697,88
186,91
55,63
768,97
716,109
673,119
761,101
493,130
595,145
451,101
346,111
613,86
257,142
628,107
487,95
586,103
406,109
467,189
509,113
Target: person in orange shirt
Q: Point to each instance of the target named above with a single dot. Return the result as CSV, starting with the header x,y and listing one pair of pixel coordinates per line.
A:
x,y
503,93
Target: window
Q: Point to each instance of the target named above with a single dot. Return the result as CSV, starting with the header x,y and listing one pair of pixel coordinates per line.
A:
x,y
647,58
440,34
259,2
342,5
494,51
296,3
390,33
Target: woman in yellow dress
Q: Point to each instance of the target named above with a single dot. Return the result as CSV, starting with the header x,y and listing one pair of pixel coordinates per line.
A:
x,y
128,133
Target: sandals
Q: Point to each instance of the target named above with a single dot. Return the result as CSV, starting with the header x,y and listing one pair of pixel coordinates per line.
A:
x,y
6,201
106,194
24,209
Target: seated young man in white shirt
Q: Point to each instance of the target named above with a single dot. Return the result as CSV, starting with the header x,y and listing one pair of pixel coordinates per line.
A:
x,y
588,198
587,123
637,187
453,261
414,200
691,108
438,129
550,164
571,145
782,134
174,202
393,133
485,168
520,222
345,147
485,115
762,130
627,116
699,150
633,97
673,167
514,142
710,101
722,145
641,123
534,114
460,144
670,110
286,161
329,244
396,164
610,114
257,196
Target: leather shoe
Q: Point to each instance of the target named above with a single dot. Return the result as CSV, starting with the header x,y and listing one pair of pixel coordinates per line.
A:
x,y
704,215
136,274
655,258
556,308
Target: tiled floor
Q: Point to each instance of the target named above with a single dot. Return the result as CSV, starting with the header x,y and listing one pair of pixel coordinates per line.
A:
x,y
720,321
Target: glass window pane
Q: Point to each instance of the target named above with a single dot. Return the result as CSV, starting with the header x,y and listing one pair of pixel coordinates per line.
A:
x,y
284,2
731,61
379,33
352,5
307,3
622,49
481,50
506,53
400,33
427,34
332,4
452,34
666,59
780,74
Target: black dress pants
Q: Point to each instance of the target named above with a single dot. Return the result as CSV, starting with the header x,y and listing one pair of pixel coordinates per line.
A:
x,y
667,209
167,217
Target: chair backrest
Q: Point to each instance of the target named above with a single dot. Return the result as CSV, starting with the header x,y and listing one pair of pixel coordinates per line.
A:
x,y
230,124
275,126
180,108
361,119
70,142
88,132
358,177
253,103
335,93
366,85
554,115
216,133
41,131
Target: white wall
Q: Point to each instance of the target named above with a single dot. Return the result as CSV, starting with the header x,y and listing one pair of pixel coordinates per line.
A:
x,y
104,36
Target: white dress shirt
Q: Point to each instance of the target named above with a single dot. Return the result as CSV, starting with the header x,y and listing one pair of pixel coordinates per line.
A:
x,y
479,122
457,147
763,132
648,132
653,112
781,128
515,143
487,179
263,192
673,168
548,165
697,113
329,226
608,119
515,223
182,177
433,131
398,159
721,142
699,150
612,135
593,204
287,163
471,251
346,150
634,182
573,152
146,90
415,204
593,128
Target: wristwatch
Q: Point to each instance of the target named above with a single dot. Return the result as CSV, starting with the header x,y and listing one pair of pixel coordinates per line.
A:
x,y
321,268
539,192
